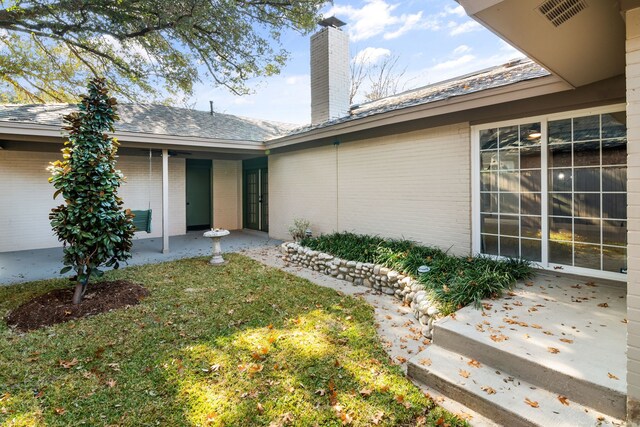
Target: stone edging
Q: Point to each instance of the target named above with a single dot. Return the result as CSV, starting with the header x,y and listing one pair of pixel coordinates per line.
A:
x,y
373,276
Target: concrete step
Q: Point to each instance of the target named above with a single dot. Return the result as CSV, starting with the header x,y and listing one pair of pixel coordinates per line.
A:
x,y
498,395
536,366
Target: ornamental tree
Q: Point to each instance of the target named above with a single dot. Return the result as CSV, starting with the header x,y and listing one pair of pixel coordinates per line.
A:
x,y
92,224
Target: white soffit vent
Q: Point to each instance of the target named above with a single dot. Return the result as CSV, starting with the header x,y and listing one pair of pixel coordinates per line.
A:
x,y
560,11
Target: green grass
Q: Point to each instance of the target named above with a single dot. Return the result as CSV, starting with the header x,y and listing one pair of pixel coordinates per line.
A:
x,y
454,281
239,345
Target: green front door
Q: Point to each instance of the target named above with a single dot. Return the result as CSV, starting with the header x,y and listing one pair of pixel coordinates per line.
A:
x,y
198,194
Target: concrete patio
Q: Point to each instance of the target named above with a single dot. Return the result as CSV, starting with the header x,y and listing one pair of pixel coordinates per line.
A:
x,y
25,266
557,341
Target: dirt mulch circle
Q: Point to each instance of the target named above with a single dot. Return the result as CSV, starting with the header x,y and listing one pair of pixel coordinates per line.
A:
x,y
57,306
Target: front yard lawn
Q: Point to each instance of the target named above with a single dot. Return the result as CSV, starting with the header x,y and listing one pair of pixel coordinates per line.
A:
x,y
239,345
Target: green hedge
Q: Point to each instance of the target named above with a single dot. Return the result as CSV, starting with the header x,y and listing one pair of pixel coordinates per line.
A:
x,y
454,281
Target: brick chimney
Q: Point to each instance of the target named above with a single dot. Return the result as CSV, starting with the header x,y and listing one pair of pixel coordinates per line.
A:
x,y
330,74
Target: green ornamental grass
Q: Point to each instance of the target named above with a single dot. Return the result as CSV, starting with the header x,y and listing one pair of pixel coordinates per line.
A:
x,y
454,281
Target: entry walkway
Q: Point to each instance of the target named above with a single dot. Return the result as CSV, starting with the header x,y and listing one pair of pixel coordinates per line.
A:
x,y
25,266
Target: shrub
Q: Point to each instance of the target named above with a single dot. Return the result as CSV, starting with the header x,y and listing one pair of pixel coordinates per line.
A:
x,y
453,281
95,229
299,229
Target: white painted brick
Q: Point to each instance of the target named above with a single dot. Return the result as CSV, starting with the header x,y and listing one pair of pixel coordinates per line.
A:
x,y
414,185
633,184
330,75
227,194
24,221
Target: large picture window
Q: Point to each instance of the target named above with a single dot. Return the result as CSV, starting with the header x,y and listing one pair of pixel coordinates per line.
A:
x,y
553,191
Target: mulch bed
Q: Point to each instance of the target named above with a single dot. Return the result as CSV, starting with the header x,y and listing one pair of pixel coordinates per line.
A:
x,y
57,306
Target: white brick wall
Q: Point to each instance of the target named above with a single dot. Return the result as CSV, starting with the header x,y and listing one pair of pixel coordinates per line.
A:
x,y
633,189
227,194
330,74
138,190
302,184
27,197
414,185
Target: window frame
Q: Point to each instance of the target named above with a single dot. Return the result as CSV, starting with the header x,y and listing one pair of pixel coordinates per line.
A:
x,y
544,171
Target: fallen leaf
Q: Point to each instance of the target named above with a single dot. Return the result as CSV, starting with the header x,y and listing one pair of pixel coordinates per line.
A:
x,y
425,362
499,338
365,392
67,364
613,377
111,383
567,340
333,395
377,418
488,390
259,408
270,326
401,359
604,305
60,411
320,392
536,326
474,363
547,332
553,350
463,373
531,403
563,400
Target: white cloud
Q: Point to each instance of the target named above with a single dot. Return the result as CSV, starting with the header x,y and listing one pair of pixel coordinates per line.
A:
x,y
463,48
453,63
457,10
370,55
377,17
410,22
465,27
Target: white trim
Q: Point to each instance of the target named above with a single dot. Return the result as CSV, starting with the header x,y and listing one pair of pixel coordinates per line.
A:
x,y
544,199
165,201
475,190
564,269
544,191
53,131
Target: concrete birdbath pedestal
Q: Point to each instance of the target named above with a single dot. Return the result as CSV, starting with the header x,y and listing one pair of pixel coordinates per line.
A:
x,y
215,235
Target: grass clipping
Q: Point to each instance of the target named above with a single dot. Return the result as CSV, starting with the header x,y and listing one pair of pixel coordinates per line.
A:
x,y
454,282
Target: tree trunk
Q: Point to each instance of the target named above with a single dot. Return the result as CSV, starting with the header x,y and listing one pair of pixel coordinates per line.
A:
x,y
78,294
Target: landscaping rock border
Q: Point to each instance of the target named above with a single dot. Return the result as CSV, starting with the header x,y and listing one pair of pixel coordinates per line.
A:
x,y
373,276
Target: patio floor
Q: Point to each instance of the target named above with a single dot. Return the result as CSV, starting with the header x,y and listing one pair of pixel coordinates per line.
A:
x,y
25,266
584,320
560,333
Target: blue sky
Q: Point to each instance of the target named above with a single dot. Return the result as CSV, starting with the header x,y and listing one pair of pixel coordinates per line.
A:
x,y
434,39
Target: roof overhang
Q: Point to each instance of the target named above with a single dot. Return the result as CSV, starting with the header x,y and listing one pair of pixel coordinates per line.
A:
x,y
527,89
586,47
48,133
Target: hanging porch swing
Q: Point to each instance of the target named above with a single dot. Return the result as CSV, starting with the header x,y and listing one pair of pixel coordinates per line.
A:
x,y
142,218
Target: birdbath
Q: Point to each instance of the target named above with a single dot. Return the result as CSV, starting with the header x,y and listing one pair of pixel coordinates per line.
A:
x,y
215,235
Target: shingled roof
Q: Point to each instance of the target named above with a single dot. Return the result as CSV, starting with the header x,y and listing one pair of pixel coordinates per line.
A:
x,y
513,72
163,120
158,120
